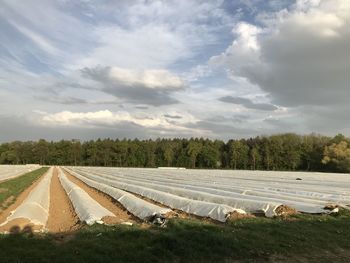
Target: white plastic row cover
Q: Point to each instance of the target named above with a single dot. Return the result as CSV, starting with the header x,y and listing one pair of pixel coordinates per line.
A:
x,y
310,195
215,211
244,201
36,206
12,171
87,209
245,188
138,207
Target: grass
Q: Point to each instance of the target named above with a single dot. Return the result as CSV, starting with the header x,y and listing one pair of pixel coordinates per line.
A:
x,y
12,188
301,238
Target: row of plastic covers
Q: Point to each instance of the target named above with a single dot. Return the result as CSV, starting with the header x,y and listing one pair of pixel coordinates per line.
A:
x,y
35,207
12,171
215,211
87,209
249,191
137,206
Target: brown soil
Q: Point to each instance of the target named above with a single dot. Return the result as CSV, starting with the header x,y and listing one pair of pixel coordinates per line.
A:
x,y
284,210
121,215
3,190
62,217
236,216
18,224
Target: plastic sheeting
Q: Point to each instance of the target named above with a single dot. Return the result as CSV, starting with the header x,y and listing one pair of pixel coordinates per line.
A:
x,y
138,207
248,203
12,171
87,209
314,188
247,190
215,211
36,206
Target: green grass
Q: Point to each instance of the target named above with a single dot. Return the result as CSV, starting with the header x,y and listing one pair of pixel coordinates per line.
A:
x,y
302,238
16,186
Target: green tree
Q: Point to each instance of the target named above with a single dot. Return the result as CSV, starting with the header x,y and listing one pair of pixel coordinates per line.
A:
x,y
338,155
193,149
254,157
239,154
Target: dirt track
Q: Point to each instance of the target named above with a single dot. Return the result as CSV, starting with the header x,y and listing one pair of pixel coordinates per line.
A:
x,y
62,217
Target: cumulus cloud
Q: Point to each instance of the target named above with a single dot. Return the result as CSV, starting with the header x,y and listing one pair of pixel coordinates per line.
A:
x,y
247,103
23,128
150,86
150,59
300,57
110,119
105,117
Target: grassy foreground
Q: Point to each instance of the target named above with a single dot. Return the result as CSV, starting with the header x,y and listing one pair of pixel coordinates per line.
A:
x,y
13,187
302,238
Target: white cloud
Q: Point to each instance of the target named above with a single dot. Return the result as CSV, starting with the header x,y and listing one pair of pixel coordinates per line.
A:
x,y
150,86
244,51
300,57
149,78
148,58
108,118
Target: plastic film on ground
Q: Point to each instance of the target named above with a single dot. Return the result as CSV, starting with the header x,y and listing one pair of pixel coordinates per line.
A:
x,y
35,207
138,207
87,209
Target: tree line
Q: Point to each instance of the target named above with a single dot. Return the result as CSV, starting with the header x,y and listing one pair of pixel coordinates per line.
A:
x,y
290,152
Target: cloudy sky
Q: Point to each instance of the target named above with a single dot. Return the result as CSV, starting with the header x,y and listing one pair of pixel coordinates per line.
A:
x,y
185,68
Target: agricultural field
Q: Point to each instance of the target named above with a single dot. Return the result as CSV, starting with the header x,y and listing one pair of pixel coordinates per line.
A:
x,y
78,205
12,171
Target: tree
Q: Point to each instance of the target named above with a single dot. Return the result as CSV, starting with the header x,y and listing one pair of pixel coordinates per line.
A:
x,y
277,152
254,157
209,156
193,149
338,155
239,154
42,150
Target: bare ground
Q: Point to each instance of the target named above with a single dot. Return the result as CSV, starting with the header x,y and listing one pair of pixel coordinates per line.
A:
x,y
122,215
62,217
3,190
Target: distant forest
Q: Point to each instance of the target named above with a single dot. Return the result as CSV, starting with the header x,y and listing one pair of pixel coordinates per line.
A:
x,y
288,152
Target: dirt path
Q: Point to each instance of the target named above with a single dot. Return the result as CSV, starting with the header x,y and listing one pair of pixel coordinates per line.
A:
x,y
62,217
106,201
19,225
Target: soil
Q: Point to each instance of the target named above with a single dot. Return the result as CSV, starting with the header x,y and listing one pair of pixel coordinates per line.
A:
x,y
121,215
3,190
18,225
236,216
62,217
284,210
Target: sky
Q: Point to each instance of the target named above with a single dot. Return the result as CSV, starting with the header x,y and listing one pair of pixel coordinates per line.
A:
x,y
145,69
